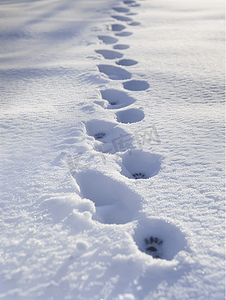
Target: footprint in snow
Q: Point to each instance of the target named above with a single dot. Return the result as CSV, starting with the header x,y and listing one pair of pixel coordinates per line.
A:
x,y
136,85
120,47
107,39
124,33
114,73
140,165
131,115
159,238
116,99
121,9
117,27
122,18
99,129
115,203
126,62
134,23
109,134
109,54
129,2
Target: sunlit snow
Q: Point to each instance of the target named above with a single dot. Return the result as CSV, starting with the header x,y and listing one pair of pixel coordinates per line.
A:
x,y
112,149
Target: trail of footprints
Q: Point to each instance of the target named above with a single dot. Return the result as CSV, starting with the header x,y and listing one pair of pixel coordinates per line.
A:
x,y
116,203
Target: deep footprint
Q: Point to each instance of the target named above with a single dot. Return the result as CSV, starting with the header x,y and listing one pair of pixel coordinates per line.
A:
x,y
120,46
117,27
134,23
114,73
124,33
126,62
159,238
115,202
154,247
99,129
121,9
122,18
136,85
140,164
107,39
132,115
116,99
129,2
109,54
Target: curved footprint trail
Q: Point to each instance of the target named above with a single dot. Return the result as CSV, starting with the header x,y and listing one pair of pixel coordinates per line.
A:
x,y
115,203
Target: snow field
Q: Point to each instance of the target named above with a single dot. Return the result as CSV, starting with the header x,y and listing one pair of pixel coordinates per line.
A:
x,y
113,186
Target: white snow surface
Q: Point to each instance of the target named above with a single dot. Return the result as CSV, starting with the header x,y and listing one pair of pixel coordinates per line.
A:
x,y
112,149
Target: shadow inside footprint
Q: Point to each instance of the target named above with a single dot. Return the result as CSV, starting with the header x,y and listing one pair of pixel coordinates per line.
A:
x,y
115,202
109,134
120,47
116,99
136,85
121,9
126,62
134,23
117,27
107,39
140,165
131,115
114,73
129,2
122,18
159,239
109,54
124,33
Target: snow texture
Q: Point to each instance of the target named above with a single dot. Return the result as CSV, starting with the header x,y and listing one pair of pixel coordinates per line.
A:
x,y
112,128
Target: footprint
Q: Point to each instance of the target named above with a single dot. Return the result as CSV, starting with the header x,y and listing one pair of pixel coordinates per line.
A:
x,y
131,115
124,33
129,2
158,238
109,54
126,62
114,139
140,165
134,23
122,18
117,27
115,202
117,99
114,73
120,46
99,129
107,39
136,85
121,9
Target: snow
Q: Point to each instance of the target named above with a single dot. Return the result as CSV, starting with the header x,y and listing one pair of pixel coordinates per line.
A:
x,y
112,150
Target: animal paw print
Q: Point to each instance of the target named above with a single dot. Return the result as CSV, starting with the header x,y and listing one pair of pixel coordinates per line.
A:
x,y
99,135
138,175
153,245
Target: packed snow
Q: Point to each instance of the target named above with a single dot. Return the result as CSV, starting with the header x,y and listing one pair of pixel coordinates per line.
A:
x,y
112,150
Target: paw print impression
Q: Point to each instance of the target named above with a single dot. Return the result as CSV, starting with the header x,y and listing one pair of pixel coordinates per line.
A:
x,y
159,238
138,175
153,246
99,135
